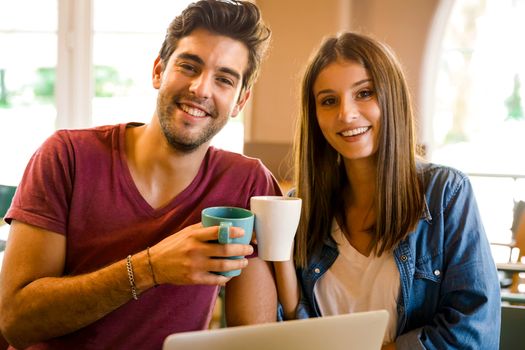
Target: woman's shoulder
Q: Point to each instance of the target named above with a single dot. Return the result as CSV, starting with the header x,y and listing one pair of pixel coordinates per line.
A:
x,y
442,184
432,173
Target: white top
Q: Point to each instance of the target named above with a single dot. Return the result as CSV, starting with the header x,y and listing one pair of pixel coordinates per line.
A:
x,y
357,283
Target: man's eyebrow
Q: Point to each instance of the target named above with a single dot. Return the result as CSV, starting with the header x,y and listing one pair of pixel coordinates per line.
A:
x,y
231,72
191,57
198,60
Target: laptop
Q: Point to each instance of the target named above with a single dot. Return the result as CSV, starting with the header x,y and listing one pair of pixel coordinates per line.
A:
x,y
361,330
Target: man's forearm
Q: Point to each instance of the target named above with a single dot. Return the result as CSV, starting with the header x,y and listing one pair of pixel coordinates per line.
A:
x,y
54,306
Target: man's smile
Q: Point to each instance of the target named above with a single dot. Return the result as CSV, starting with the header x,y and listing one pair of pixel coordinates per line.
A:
x,y
193,111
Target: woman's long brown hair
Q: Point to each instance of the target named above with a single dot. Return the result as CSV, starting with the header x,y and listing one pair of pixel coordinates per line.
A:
x,y
320,176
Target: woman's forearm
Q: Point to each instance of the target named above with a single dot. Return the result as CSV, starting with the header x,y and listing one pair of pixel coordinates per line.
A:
x,y
287,287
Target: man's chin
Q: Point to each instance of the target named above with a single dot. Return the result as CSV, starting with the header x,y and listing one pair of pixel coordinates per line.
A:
x,y
184,147
184,138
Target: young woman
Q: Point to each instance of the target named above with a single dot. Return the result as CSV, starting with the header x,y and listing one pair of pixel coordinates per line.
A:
x,y
381,229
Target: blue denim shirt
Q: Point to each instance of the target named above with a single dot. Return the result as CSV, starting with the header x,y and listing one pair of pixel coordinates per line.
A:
x,y
449,294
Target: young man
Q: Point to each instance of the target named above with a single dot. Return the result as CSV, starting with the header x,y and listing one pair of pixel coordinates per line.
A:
x,y
104,215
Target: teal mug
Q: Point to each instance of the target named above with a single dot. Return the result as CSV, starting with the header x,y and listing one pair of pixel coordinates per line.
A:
x,y
225,217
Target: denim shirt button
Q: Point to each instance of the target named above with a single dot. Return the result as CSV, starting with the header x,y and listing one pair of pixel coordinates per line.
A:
x,y
317,270
437,272
404,258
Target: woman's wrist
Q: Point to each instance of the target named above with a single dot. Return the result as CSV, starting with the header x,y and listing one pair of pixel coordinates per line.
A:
x,y
287,287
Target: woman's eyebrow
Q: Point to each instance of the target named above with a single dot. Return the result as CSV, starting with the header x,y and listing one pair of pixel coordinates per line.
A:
x,y
357,83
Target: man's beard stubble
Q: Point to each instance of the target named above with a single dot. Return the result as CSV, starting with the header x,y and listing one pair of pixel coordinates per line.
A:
x,y
178,139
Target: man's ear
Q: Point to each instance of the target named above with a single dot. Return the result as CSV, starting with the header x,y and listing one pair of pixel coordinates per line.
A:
x,y
158,68
241,102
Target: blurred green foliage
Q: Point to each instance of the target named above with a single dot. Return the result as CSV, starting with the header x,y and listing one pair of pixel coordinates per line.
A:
x,y
44,87
3,90
513,103
108,83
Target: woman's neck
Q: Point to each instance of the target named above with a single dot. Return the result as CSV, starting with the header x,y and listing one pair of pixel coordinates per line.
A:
x,y
361,176
359,207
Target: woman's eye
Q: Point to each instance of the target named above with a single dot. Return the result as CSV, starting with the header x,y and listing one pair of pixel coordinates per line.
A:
x,y
328,101
365,93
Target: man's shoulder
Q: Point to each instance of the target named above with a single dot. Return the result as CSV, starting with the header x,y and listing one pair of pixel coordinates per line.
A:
x,y
236,165
106,135
87,142
238,172
228,157
92,132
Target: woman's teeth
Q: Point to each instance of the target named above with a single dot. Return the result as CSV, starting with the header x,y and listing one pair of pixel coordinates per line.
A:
x,y
354,132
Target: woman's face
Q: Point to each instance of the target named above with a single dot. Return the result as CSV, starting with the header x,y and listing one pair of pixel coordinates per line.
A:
x,y
347,109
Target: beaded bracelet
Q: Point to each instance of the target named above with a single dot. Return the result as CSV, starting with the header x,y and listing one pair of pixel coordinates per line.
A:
x,y
131,277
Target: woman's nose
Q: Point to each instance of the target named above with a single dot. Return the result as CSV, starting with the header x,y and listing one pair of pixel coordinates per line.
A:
x,y
349,110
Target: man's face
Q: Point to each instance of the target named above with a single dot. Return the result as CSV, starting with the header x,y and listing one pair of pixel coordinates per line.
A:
x,y
199,88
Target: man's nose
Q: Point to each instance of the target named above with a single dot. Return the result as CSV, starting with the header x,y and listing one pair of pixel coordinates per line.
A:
x,y
201,86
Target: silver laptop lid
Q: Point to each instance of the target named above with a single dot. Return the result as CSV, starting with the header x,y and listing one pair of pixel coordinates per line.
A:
x,y
362,330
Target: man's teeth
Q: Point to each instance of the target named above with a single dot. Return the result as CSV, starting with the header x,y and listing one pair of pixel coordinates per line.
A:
x,y
193,111
354,132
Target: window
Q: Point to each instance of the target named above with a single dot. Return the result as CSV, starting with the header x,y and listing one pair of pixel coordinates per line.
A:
x,y
69,64
123,89
478,119
27,74
123,56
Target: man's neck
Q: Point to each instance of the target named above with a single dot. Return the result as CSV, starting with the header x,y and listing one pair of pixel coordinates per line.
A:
x,y
159,171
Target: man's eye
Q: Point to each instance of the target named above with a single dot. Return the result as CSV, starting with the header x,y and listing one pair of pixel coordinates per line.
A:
x,y
226,81
187,67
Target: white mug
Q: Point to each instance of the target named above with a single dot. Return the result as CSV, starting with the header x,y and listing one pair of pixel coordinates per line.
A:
x,y
276,221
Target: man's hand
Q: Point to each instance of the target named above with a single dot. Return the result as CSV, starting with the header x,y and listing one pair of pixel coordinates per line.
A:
x,y
190,256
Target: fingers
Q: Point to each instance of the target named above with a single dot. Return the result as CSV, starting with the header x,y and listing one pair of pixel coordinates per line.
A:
x,y
224,265
208,273
207,234
229,250
211,233
189,256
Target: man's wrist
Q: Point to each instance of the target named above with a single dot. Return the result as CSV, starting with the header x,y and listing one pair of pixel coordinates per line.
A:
x,y
143,272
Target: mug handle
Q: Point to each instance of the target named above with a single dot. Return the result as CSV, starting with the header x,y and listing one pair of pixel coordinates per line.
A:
x,y
224,232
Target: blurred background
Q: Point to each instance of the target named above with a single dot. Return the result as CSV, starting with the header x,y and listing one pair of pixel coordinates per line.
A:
x,y
80,63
